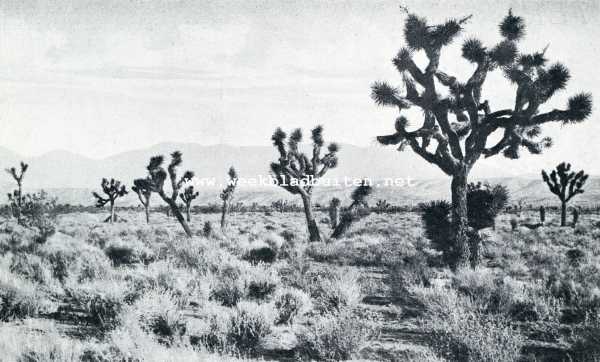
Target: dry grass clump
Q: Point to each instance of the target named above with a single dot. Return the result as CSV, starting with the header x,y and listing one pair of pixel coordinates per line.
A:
x,y
20,298
460,330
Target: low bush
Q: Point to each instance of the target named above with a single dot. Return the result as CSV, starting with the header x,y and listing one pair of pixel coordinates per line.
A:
x,y
333,338
291,303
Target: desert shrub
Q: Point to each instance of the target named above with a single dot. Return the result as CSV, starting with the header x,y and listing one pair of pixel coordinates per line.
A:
x,y
69,258
38,213
160,312
102,300
587,344
31,267
335,291
247,326
484,203
575,257
514,223
460,331
19,298
264,254
291,303
228,287
260,282
333,338
129,252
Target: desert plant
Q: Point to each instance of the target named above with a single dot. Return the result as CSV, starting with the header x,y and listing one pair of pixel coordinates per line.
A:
x,y
514,223
484,203
227,195
187,196
382,206
475,122
565,184
575,214
334,212
156,182
542,214
357,209
297,173
38,210
142,189
207,229
16,197
113,190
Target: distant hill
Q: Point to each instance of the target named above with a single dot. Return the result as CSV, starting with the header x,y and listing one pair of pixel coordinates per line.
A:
x,y
72,177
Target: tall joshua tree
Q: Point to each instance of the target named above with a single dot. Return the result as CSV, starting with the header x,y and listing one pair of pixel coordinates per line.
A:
x,y
227,195
156,182
16,198
455,128
187,196
297,173
565,184
113,190
141,187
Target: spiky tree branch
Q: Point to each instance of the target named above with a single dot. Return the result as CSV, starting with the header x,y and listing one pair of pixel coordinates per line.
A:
x,y
141,187
157,177
187,196
16,198
227,195
357,209
565,184
454,131
113,189
297,172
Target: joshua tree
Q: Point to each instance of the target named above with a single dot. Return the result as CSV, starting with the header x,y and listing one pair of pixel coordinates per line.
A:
x,y
297,173
141,187
187,196
565,184
456,124
113,190
156,182
355,211
575,214
16,198
334,212
382,206
542,214
227,195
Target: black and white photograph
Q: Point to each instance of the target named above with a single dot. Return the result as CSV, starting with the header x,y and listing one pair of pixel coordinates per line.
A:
x,y
299,180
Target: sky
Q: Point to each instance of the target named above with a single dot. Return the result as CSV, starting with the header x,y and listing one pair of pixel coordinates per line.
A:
x,y
101,77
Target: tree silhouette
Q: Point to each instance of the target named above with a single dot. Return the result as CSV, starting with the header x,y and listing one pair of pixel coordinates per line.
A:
x,y
297,173
565,184
187,196
141,187
156,182
456,124
227,195
16,198
113,190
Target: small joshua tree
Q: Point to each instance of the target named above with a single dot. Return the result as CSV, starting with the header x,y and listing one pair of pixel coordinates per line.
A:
x,y
575,214
542,214
382,206
457,126
334,212
16,198
141,187
357,209
113,190
158,176
227,195
187,196
565,184
297,173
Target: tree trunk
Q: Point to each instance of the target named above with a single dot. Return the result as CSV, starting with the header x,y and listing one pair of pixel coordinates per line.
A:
x,y
187,213
460,220
313,229
147,210
180,218
334,216
223,213
563,213
112,212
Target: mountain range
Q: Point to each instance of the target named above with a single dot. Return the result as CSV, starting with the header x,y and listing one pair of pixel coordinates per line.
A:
x,y
72,177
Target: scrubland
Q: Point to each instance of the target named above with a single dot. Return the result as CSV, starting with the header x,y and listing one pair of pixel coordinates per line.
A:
x,y
259,291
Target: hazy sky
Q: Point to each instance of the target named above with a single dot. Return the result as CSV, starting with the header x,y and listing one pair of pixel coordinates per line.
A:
x,y
100,77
